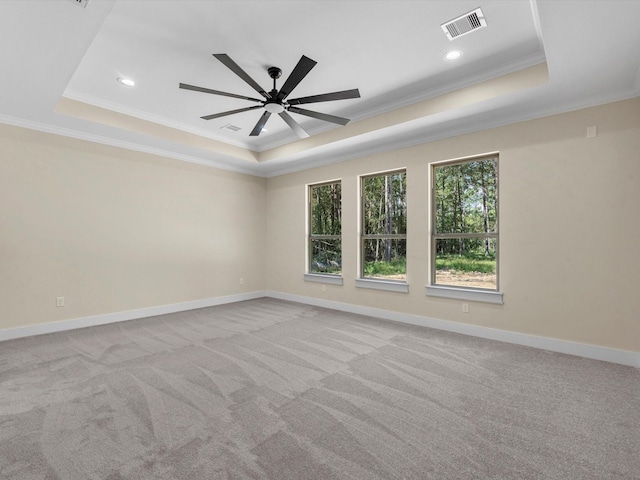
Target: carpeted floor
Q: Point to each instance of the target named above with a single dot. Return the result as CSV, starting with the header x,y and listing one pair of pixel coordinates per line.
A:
x,y
267,389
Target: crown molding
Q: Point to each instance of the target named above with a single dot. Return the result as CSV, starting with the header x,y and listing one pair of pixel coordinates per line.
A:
x,y
132,112
265,170
422,136
90,137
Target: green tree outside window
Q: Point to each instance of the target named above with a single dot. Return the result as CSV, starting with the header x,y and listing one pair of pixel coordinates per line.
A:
x,y
384,226
465,223
325,228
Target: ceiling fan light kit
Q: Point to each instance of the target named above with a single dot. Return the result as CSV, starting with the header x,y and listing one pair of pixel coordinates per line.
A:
x,y
275,101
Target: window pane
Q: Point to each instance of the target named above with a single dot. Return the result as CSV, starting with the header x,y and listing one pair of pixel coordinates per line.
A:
x,y
326,209
466,262
466,197
385,259
326,256
384,204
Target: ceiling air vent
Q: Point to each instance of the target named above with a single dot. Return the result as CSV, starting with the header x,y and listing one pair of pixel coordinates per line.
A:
x,y
231,127
464,24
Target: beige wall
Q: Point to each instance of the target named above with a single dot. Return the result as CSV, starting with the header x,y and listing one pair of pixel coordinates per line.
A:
x,y
113,230
569,228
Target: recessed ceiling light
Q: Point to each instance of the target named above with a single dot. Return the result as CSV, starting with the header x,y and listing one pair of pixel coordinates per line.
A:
x,y
127,82
452,55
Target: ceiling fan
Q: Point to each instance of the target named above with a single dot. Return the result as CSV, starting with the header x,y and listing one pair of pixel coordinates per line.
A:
x,y
276,101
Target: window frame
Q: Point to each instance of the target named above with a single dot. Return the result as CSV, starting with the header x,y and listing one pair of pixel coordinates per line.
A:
x,y
489,295
376,282
321,277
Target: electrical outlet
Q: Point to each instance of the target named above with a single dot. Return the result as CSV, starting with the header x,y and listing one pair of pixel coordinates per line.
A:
x,y
59,301
465,308
241,280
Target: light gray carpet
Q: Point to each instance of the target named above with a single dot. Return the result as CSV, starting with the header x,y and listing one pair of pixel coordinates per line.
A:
x,y
267,389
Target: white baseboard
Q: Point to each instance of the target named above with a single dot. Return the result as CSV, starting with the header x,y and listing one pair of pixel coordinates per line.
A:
x,y
595,352
39,329
612,355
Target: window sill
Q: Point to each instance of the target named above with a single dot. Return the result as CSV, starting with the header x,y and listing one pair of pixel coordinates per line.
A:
x,y
465,294
388,285
320,278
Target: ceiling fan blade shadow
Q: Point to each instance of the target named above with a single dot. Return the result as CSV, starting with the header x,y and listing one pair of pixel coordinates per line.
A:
x,y
304,66
260,125
235,68
216,92
320,116
230,112
326,97
295,126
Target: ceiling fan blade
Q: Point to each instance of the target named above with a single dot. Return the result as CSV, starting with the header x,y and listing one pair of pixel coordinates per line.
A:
x,y
216,92
230,112
304,66
320,116
260,125
295,126
326,97
235,68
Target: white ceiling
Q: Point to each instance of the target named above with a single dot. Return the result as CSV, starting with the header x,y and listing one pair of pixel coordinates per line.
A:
x,y
61,59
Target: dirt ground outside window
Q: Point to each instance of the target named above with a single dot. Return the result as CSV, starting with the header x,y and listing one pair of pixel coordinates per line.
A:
x,y
466,279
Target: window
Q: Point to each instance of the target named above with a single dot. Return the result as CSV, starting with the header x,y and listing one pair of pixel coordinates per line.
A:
x,y
384,227
464,241
325,229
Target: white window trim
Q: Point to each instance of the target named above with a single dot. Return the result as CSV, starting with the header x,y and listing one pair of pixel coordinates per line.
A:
x,y
327,278
371,282
323,278
486,296
388,285
449,291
